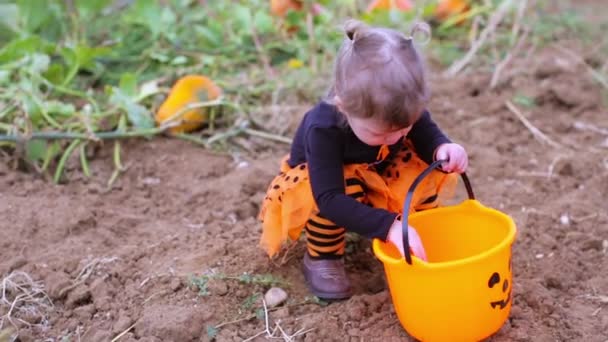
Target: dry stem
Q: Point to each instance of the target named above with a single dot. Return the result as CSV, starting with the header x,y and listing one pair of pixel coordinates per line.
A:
x,y
540,136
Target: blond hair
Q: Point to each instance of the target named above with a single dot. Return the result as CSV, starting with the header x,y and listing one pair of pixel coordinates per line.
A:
x,y
380,74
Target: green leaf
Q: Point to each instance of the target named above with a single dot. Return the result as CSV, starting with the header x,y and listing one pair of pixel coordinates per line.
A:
x,y
260,314
167,23
55,74
295,18
32,13
160,57
19,48
39,63
147,13
91,8
138,115
243,18
179,60
148,89
210,37
263,22
60,108
9,15
35,150
52,151
523,100
128,84
5,76
211,331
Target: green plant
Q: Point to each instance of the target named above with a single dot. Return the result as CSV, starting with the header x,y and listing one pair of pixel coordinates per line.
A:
x,y
75,73
267,280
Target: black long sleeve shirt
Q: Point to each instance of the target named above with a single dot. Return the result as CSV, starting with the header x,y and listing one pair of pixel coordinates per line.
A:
x,y
326,143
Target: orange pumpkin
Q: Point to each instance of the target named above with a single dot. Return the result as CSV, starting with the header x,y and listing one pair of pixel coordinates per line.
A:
x,y
402,5
189,89
448,8
280,8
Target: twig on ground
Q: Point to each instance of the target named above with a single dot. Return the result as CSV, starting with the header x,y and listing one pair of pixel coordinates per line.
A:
x,y
584,218
86,272
583,126
523,4
268,136
270,333
88,269
600,298
123,333
535,131
493,22
505,62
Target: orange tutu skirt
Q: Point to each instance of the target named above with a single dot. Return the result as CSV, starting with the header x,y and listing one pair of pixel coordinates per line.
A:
x,y
289,202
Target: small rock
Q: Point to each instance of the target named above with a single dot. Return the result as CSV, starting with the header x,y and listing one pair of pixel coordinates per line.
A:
x,y
149,339
24,336
72,324
516,312
275,296
56,283
217,287
102,303
151,181
173,323
354,332
80,296
175,284
94,189
281,313
84,313
551,282
32,317
564,219
100,289
122,323
592,244
96,334
566,170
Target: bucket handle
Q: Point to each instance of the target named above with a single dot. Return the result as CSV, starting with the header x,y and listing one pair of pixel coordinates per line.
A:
x,y
408,200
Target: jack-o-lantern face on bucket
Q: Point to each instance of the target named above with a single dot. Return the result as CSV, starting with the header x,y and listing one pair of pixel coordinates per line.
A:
x,y
496,281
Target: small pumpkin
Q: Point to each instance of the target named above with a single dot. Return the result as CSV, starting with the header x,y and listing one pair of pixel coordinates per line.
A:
x,y
402,5
188,89
280,8
449,8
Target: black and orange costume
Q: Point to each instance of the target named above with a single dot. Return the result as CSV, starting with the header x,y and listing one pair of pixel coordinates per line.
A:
x,y
332,182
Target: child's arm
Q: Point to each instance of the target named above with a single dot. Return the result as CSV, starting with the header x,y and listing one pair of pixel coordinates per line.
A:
x,y
432,144
324,155
427,137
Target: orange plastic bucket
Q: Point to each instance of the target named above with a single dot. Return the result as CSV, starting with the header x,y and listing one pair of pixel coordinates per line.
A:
x,y
464,291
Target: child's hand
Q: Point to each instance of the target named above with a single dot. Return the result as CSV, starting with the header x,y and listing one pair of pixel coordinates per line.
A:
x,y
395,236
458,161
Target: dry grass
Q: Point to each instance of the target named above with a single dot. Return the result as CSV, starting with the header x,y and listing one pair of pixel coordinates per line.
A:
x,y
277,331
23,301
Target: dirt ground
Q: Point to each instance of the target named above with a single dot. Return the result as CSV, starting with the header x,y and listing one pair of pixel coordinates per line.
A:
x,y
112,261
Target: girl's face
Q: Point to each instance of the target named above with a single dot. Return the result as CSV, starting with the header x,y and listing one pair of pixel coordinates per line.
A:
x,y
375,133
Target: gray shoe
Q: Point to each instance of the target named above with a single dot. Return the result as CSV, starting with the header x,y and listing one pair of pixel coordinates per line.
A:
x,y
326,278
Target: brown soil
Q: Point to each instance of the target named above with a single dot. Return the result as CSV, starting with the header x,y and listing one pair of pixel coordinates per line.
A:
x,y
120,259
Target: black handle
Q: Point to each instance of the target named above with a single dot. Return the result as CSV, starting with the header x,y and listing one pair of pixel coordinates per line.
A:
x,y
408,200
